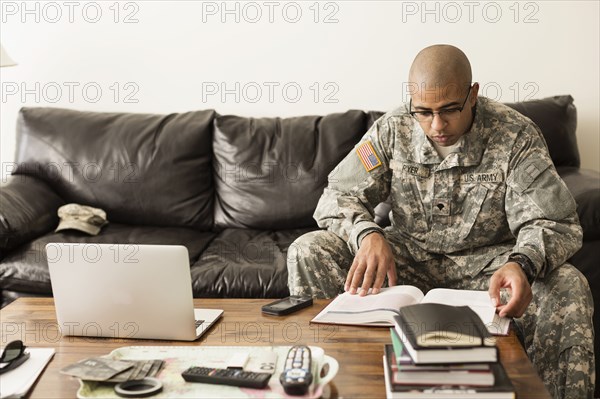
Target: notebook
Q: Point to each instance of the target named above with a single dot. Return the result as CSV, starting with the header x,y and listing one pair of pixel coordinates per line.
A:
x,y
125,291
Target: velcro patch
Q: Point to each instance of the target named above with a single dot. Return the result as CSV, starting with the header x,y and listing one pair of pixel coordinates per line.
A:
x,y
526,173
367,156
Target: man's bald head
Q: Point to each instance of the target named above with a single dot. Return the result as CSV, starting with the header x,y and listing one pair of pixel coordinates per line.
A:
x,y
442,98
440,65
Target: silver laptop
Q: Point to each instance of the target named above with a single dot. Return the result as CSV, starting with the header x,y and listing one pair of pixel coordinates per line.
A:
x,y
125,291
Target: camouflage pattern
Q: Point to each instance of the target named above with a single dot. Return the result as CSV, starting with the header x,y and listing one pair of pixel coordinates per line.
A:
x,y
456,220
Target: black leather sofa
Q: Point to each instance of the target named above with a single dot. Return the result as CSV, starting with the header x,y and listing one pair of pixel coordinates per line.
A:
x,y
236,191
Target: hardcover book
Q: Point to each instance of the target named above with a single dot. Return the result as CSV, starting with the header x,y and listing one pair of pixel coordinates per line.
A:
x,y
427,325
436,333
467,374
501,389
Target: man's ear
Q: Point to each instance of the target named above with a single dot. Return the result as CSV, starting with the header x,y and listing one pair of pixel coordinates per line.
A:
x,y
474,92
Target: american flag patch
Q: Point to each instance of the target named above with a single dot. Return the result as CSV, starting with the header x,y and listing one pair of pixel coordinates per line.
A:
x,y
367,156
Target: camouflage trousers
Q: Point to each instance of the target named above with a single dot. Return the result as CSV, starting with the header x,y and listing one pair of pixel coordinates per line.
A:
x,y
556,330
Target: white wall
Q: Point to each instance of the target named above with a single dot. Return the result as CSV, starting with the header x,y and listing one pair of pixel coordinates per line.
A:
x,y
171,56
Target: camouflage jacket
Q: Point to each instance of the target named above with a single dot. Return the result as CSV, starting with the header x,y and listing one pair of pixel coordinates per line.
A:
x,y
499,194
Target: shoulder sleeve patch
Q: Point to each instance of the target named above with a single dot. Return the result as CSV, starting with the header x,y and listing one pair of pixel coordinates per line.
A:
x,y
368,156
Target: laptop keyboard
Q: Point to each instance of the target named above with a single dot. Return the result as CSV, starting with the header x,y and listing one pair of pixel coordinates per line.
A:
x,y
199,323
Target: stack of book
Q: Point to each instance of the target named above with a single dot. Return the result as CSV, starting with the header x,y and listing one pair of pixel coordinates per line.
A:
x,y
442,351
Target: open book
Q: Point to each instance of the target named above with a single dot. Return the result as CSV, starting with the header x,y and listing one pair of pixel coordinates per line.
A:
x,y
380,309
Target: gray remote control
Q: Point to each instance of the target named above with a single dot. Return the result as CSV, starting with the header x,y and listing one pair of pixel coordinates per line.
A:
x,y
238,378
297,377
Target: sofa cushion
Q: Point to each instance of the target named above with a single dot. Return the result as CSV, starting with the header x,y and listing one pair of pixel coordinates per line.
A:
x,y
557,119
270,172
372,117
141,169
243,263
584,185
28,209
25,269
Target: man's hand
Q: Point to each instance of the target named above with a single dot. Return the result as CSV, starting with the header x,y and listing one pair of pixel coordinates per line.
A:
x,y
373,261
510,276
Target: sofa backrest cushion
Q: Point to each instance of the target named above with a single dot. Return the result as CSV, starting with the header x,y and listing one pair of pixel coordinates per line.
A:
x,y
557,119
140,168
270,172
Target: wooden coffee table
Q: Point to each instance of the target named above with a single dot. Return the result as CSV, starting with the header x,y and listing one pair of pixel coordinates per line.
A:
x,y
359,350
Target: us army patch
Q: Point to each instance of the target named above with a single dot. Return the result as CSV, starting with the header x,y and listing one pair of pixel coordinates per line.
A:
x,y
367,156
491,177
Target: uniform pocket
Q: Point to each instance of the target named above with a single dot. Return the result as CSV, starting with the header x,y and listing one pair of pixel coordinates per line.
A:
x,y
407,207
471,210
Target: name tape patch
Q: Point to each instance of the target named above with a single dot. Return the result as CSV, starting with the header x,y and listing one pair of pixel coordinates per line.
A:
x,y
415,170
367,156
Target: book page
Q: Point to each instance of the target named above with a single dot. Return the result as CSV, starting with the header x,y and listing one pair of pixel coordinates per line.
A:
x,y
388,300
479,301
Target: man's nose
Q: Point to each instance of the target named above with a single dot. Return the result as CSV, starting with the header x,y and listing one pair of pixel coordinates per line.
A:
x,y
437,123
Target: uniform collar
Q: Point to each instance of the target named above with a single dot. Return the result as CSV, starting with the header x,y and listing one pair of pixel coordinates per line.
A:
x,y
469,153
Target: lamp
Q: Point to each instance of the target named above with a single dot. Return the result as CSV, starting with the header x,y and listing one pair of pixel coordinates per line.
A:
x,y
5,60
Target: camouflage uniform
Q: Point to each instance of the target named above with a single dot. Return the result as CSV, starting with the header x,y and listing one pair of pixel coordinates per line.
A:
x,y
454,222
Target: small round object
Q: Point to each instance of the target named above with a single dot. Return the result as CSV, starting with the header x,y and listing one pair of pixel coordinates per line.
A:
x,y
138,388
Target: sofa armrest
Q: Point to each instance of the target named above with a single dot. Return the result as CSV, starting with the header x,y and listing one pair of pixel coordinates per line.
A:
x,y
28,209
584,185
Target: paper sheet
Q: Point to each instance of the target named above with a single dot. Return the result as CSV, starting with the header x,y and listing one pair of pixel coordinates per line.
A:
x,y
15,383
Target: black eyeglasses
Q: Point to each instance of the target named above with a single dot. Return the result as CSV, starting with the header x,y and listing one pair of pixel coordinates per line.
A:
x,y
448,114
13,356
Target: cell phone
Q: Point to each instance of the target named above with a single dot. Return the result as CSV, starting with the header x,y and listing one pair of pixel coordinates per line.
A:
x,y
287,305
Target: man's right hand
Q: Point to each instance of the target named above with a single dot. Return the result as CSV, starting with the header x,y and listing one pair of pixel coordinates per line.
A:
x,y
372,263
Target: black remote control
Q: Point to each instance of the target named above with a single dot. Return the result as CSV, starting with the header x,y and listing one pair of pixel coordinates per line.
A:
x,y
235,377
296,376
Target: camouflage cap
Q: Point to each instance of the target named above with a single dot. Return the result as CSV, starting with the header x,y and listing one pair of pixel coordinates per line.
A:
x,y
81,217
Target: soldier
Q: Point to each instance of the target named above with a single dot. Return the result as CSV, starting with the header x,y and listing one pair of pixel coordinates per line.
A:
x,y
476,203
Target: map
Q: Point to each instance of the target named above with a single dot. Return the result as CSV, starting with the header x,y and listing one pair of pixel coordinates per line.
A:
x,y
179,358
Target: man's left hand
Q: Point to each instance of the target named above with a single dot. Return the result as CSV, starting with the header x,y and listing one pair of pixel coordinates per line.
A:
x,y
510,276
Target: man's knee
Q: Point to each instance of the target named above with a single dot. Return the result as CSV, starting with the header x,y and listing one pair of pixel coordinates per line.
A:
x,y
566,282
316,263
565,307
314,245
